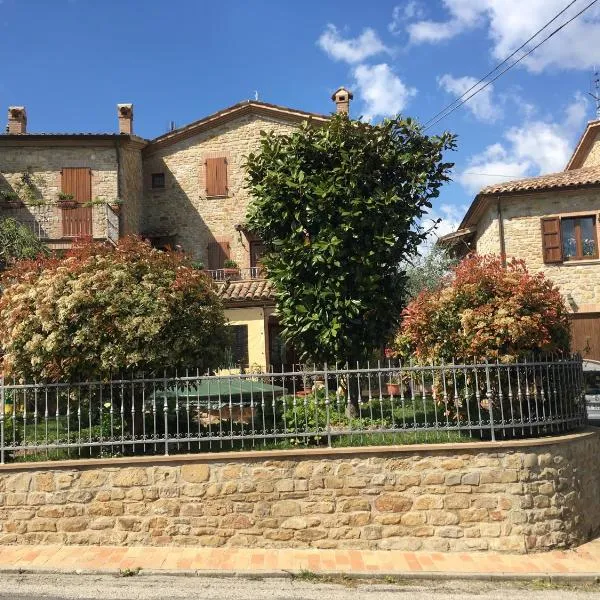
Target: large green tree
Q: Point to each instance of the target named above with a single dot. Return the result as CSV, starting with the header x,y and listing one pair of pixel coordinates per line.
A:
x,y
338,207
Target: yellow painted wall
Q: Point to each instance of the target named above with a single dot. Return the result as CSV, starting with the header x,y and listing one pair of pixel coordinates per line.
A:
x,y
255,319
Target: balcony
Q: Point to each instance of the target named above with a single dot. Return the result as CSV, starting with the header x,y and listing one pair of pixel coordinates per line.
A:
x,y
237,274
57,226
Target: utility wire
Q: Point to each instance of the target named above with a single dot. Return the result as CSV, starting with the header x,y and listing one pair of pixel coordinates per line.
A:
x,y
450,108
502,63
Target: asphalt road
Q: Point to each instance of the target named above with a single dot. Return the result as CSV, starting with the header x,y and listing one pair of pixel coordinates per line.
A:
x,y
146,587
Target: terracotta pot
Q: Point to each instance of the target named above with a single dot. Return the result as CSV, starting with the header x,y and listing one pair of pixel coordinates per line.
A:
x,y
393,389
11,203
116,208
68,204
231,273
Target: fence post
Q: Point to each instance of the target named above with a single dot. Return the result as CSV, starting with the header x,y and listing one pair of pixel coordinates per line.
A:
x,y
327,407
2,419
489,398
166,415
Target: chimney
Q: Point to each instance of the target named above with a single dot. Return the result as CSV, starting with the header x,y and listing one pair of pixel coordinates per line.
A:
x,y
17,120
342,98
125,112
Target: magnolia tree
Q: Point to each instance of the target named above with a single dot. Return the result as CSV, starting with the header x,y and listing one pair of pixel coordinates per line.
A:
x,y
338,207
101,310
485,310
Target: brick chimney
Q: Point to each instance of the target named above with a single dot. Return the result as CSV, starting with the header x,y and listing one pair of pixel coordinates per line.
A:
x,y
17,120
342,98
125,112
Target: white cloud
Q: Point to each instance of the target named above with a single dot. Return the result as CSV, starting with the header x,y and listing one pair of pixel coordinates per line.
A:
x,y
352,50
403,13
533,148
481,104
511,22
383,92
450,217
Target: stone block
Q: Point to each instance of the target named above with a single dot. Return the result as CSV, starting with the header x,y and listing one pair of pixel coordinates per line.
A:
x,y
286,508
195,473
393,502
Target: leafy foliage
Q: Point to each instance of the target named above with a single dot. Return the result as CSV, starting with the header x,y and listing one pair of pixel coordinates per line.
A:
x,y
338,208
102,310
425,272
17,241
485,310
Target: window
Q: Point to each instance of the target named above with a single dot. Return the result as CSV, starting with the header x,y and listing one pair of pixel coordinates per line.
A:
x,y
216,176
579,238
237,354
569,238
218,253
158,181
257,251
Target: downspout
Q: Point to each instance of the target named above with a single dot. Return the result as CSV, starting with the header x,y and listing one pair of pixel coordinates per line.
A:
x,y
501,231
118,152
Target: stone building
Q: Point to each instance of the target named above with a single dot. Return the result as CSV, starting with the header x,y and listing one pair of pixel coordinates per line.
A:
x,y
552,223
182,189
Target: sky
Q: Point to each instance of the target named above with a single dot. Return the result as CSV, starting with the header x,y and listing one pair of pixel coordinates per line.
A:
x,y
71,61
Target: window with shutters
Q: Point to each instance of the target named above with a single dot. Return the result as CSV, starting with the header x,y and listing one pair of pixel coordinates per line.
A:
x,y
218,253
216,176
238,351
578,236
569,238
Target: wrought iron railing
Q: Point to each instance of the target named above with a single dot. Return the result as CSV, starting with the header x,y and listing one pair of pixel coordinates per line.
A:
x,y
382,404
237,274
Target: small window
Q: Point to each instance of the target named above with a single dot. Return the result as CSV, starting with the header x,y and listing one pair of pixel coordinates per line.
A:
x,y
579,240
237,355
158,181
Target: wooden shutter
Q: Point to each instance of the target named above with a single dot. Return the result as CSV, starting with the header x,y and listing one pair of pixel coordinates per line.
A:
x,y
216,176
218,253
77,222
551,240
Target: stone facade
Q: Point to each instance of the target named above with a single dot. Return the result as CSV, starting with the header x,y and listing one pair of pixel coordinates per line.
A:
x,y
579,281
44,162
182,208
519,497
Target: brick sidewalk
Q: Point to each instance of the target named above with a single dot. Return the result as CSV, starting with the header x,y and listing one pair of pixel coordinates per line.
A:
x,y
584,561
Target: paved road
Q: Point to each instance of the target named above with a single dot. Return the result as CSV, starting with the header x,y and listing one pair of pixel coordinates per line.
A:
x,y
145,587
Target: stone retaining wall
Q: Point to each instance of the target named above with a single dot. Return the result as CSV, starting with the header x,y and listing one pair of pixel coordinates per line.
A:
x,y
518,497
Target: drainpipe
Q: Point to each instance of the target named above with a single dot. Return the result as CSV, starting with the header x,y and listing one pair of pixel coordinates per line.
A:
x,y
118,152
501,231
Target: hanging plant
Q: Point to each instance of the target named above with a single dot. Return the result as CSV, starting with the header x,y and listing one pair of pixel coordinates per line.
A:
x,y
10,199
28,188
66,200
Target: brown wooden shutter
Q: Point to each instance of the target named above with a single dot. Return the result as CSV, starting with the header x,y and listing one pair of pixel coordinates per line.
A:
x,y
551,240
218,253
216,176
77,222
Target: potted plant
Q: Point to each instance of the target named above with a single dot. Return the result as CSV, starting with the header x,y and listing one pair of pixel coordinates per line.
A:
x,y
230,269
394,385
66,200
10,199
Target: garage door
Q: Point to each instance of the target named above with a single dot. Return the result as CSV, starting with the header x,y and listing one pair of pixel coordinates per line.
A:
x,y
585,330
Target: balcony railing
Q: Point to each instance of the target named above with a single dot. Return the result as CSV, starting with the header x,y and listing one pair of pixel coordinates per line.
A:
x,y
237,274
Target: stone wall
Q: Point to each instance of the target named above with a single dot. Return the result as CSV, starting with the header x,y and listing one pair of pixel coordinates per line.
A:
x,y
518,497
579,281
182,207
45,161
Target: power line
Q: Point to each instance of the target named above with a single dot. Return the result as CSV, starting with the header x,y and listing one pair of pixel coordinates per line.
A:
x,y
480,89
502,63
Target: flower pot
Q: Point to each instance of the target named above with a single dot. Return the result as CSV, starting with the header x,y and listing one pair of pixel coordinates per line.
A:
x,y
116,208
393,389
68,204
11,204
231,273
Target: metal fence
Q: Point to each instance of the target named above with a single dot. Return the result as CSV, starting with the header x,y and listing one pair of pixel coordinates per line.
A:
x,y
390,403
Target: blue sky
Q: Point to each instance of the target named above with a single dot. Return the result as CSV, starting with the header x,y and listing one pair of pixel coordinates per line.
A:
x,y
71,61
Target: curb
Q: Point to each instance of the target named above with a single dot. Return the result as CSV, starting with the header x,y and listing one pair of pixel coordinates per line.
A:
x,y
289,574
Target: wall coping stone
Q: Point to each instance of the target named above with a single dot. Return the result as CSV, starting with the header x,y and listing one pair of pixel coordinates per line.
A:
x,y
307,453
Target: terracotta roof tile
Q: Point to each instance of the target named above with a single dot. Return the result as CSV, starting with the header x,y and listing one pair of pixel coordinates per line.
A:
x,y
587,176
246,291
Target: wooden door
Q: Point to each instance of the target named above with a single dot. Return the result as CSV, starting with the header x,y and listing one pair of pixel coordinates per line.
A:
x,y
585,332
77,222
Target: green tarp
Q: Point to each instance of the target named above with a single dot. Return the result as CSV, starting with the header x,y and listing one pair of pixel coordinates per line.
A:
x,y
224,387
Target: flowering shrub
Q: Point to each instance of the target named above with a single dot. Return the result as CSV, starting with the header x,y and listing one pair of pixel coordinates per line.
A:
x,y
102,309
485,310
